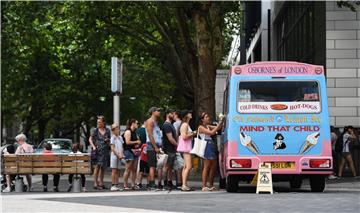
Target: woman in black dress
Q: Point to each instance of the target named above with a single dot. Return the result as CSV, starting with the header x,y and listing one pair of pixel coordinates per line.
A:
x,y
99,141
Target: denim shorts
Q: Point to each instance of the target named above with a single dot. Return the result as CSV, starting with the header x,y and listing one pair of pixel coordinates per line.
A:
x,y
210,151
129,155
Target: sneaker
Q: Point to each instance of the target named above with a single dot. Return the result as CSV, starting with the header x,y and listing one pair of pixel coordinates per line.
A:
x,y
332,177
178,186
56,189
136,187
114,188
139,185
45,189
7,189
84,189
151,187
160,187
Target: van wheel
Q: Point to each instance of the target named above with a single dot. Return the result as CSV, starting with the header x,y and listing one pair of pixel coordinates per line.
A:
x,y
232,183
317,183
295,184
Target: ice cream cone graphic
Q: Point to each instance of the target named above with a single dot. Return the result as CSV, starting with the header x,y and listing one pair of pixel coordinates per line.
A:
x,y
311,140
248,143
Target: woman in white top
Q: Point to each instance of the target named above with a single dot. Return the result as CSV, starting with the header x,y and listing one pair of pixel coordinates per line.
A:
x,y
117,153
210,157
348,137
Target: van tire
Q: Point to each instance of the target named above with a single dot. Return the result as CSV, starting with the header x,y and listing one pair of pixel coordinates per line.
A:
x,y
232,183
295,184
317,183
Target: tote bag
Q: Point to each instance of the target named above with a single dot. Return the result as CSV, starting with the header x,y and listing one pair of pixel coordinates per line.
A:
x,y
199,146
161,160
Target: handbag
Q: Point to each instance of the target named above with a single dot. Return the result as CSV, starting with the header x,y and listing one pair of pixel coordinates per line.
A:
x,y
199,146
161,160
93,155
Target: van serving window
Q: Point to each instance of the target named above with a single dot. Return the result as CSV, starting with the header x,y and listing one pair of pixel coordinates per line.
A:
x,y
278,96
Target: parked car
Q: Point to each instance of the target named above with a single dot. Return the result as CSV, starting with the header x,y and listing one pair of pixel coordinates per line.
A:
x,y
59,145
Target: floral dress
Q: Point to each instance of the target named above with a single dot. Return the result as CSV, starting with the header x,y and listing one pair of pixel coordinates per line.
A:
x,y
102,148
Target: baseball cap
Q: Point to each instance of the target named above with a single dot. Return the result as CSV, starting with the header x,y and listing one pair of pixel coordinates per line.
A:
x,y
169,111
154,109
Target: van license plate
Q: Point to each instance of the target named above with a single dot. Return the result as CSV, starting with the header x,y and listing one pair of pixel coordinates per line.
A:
x,y
283,165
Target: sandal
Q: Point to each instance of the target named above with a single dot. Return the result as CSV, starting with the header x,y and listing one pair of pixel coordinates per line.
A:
x,y
101,187
205,189
127,188
186,189
213,188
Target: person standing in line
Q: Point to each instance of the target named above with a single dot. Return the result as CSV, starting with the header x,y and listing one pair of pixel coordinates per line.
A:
x,y
45,177
131,140
185,146
75,150
348,137
117,153
143,167
24,148
169,146
210,158
100,142
334,138
142,133
179,161
177,122
153,141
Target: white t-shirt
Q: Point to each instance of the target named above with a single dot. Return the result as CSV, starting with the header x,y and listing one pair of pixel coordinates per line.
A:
x,y
346,141
118,142
176,125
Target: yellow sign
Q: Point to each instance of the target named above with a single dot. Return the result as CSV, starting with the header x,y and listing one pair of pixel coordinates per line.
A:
x,y
283,165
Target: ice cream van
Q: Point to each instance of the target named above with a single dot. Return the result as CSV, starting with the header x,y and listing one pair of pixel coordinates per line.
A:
x,y
276,112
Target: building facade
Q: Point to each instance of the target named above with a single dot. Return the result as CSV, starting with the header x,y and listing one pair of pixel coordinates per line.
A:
x,y
312,32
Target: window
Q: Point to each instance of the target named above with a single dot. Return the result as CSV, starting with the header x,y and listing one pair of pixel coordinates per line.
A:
x,y
278,91
278,96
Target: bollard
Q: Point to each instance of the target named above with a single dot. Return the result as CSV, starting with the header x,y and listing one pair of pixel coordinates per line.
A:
x,y
19,184
76,186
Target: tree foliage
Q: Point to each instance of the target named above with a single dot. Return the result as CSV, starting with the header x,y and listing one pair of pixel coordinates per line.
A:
x,y
56,59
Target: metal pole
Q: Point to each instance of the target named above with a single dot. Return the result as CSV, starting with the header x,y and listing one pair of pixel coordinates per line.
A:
x,y
117,108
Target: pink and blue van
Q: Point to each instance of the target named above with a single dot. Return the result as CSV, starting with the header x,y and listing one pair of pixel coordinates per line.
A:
x,y
276,112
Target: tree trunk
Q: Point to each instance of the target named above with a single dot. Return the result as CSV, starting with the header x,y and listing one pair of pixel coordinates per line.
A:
x,y
209,47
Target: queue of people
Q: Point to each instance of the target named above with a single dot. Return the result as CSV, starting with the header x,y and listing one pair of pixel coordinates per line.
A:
x,y
140,149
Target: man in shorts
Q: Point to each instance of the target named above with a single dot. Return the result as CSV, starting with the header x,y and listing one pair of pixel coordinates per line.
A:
x,y
169,146
153,142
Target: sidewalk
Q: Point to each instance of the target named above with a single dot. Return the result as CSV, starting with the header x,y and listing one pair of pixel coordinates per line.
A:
x,y
194,181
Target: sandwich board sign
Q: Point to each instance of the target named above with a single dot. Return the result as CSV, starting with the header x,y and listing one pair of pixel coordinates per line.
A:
x,y
264,179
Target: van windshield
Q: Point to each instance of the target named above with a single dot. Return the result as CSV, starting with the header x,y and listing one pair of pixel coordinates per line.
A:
x,y
272,96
